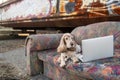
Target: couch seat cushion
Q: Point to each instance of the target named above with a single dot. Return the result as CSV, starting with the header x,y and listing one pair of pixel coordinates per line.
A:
x,y
108,68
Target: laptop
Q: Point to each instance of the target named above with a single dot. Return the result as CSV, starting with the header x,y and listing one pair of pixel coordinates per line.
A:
x,y
97,48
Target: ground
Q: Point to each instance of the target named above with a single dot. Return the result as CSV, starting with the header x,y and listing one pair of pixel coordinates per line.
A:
x,y
7,43
13,59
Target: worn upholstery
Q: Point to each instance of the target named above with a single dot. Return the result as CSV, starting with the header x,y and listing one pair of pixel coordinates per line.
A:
x,y
44,41
36,43
102,69
108,68
98,30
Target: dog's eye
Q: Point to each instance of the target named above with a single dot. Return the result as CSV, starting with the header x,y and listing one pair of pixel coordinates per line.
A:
x,y
66,38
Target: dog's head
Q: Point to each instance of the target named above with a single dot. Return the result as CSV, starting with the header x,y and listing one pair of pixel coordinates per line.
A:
x,y
67,42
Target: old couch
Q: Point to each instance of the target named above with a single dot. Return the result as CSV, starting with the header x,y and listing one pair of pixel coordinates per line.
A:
x,y
42,56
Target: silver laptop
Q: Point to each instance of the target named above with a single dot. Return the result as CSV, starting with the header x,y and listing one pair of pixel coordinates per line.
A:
x,y
97,48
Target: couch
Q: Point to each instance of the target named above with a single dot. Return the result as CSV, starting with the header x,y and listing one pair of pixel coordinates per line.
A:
x,y
42,56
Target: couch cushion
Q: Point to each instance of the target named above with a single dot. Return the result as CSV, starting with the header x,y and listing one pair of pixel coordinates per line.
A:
x,y
108,68
100,69
98,30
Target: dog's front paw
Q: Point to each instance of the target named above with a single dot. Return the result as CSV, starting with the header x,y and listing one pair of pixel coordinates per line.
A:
x,y
66,58
62,65
59,60
75,60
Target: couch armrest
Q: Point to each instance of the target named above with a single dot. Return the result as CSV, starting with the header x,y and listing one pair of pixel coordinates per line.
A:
x,y
43,41
35,43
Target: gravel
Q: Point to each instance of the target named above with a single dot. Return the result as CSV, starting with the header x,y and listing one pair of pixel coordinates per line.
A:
x,y
9,71
12,58
7,45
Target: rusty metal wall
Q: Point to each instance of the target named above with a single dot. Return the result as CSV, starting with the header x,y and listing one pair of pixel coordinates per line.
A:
x,y
26,9
58,10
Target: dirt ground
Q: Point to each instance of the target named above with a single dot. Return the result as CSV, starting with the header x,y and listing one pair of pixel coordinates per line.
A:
x,y
13,59
9,70
10,44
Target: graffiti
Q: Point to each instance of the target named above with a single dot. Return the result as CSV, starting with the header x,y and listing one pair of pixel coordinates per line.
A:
x,y
97,7
86,3
32,9
69,7
53,8
108,4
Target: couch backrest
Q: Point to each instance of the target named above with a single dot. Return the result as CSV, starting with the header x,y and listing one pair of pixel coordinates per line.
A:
x,y
98,30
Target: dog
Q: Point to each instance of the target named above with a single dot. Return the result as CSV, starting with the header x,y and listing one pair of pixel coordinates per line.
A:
x,y
68,49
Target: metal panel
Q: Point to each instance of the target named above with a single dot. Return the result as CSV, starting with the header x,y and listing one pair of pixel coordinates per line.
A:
x,y
26,9
40,13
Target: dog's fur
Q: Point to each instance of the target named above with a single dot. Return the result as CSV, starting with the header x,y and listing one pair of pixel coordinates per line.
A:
x,y
68,48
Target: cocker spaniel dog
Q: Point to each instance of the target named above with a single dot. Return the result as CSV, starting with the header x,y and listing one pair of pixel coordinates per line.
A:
x,y
68,49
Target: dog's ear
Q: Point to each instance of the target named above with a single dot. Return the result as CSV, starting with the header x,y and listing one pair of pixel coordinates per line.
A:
x,y
62,46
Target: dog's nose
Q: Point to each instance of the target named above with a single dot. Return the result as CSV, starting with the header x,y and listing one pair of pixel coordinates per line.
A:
x,y
71,44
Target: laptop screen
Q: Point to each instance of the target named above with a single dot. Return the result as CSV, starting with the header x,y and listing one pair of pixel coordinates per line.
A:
x,y
97,48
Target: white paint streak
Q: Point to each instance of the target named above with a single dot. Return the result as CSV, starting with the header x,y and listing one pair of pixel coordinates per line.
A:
x,y
27,8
